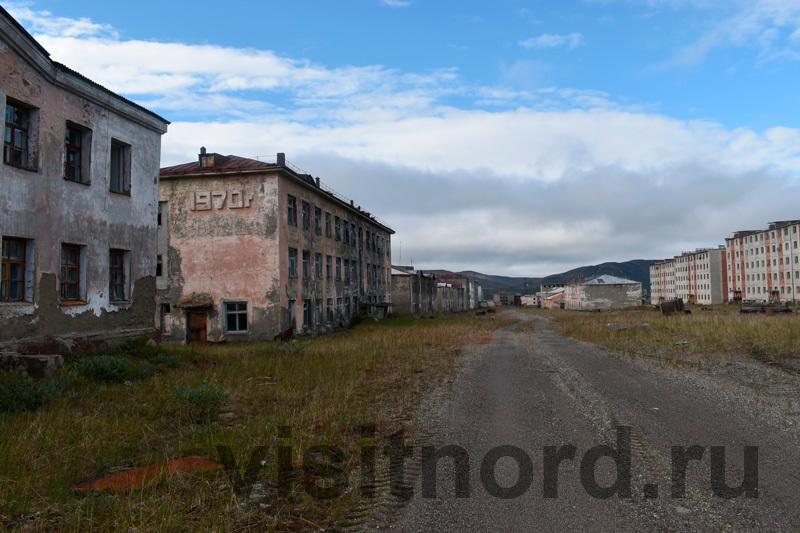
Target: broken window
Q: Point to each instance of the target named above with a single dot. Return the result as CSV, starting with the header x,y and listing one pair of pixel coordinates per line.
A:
x,y
306,264
15,147
12,284
338,227
353,234
291,205
117,274
165,318
292,262
327,224
318,266
338,269
120,167
328,267
159,266
307,313
318,311
73,155
236,316
329,310
70,272
346,233
306,215
318,221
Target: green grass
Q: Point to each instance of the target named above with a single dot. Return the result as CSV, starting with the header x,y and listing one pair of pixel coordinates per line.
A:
x,y
190,400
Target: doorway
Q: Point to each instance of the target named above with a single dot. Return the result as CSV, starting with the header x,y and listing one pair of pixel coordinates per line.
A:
x,y
196,325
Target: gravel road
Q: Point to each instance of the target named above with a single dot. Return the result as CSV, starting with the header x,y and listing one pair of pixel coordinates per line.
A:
x,y
531,389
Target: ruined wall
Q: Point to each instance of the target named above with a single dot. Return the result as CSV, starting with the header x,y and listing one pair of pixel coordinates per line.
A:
x,y
222,247
599,296
39,205
402,296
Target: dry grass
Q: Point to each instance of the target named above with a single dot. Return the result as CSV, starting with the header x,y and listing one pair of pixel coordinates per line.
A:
x,y
325,389
721,334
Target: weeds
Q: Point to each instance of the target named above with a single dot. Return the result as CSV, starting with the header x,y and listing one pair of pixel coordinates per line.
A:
x,y
199,404
19,393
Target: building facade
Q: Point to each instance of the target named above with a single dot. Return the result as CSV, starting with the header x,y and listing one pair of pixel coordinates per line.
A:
x,y
698,277
250,249
472,293
662,281
78,205
602,292
764,265
413,291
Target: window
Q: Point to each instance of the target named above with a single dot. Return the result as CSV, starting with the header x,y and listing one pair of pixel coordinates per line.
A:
x,y
70,272
346,270
318,311
159,265
338,269
327,224
120,168
117,274
293,312
235,317
328,267
76,166
355,305
306,264
338,226
292,262
329,310
346,233
353,270
353,234
15,146
347,307
339,306
306,215
318,266
318,221
291,206
12,284
164,318
307,313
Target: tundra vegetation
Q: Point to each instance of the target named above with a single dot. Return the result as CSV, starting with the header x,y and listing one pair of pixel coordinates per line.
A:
x,y
141,404
710,334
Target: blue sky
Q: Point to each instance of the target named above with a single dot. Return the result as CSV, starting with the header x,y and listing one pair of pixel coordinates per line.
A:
x,y
514,137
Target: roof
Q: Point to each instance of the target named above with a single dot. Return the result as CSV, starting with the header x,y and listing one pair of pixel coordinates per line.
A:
x,y
605,279
228,163
63,68
453,276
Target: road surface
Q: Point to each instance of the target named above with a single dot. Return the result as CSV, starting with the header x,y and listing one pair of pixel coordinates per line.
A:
x,y
528,390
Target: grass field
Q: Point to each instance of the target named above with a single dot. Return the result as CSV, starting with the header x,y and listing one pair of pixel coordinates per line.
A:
x,y
142,404
721,334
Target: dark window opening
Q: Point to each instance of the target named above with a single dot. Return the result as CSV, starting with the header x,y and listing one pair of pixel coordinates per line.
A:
x,y
15,146
236,316
70,272
117,274
12,286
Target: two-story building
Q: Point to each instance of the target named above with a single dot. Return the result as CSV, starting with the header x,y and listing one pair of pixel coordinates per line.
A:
x,y
78,200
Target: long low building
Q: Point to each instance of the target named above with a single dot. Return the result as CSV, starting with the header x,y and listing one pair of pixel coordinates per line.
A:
x,y
698,276
603,292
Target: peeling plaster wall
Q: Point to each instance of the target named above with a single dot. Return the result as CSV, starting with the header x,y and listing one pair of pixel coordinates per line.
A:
x,y
598,296
39,205
224,254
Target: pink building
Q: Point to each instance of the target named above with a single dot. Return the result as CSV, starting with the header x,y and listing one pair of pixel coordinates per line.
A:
x,y
248,249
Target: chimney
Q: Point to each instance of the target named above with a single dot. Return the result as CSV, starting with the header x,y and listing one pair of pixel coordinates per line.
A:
x,y
571,281
281,159
317,182
202,156
583,278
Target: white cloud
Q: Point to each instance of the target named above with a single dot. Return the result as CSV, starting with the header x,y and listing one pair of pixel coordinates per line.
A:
x,y
548,40
520,181
396,3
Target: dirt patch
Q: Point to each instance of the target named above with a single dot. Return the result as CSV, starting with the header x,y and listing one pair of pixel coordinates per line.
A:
x,y
139,478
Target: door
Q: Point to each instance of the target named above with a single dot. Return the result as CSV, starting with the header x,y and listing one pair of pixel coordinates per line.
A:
x,y
196,325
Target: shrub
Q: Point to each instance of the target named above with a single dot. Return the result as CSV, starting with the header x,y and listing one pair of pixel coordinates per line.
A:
x,y
199,404
19,393
108,368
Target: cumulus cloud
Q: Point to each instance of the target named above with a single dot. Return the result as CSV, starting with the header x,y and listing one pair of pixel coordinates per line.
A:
x,y
521,181
547,40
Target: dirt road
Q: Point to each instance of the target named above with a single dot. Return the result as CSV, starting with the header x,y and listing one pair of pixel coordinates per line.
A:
x,y
529,389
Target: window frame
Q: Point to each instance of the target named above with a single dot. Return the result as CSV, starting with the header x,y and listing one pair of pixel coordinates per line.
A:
x,y
328,224
306,264
63,285
123,151
112,269
305,214
318,221
292,262
291,210
318,265
9,146
238,313
6,263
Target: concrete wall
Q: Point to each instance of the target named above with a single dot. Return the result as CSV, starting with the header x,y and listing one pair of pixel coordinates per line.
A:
x,y
39,205
602,296
224,255
414,292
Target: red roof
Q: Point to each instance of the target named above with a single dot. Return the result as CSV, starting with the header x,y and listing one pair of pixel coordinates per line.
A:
x,y
227,163
452,276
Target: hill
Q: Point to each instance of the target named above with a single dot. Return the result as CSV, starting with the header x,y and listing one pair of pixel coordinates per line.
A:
x,y
637,269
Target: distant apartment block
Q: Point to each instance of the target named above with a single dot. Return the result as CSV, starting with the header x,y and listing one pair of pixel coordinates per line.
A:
x,y
78,197
250,249
697,277
763,265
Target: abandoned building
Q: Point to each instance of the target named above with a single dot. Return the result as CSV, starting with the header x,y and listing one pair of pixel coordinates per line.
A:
x,y
553,299
78,205
662,281
602,292
413,291
698,277
250,249
449,297
473,293
764,265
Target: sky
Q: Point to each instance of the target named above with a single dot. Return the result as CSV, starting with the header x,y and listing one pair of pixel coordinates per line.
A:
x,y
509,137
